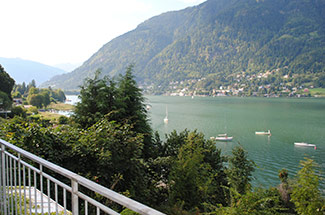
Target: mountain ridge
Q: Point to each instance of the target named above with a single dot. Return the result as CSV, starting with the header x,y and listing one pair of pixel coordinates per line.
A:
x,y
214,40
26,70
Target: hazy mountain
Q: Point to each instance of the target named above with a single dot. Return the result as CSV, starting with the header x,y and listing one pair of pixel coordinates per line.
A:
x,y
213,40
25,70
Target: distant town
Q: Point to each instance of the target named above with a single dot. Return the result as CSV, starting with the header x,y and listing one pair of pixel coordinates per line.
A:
x,y
264,84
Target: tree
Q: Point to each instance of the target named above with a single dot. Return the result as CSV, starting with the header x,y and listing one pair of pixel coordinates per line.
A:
x,y
239,172
35,100
6,86
131,106
305,193
197,176
58,95
5,101
97,98
45,97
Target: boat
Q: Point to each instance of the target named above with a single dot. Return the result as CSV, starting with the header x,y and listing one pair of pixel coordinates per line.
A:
x,y
263,132
225,138
305,145
222,135
166,117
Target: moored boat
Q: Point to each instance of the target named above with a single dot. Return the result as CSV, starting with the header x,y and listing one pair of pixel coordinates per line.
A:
x,y
225,138
305,145
263,132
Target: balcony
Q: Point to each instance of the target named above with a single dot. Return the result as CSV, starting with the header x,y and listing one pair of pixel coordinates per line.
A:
x,y
32,185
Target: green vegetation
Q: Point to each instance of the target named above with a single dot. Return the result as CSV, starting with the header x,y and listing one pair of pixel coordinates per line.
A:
x,y
317,92
185,174
6,85
37,97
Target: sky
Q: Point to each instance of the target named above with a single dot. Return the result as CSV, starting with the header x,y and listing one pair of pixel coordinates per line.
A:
x,y
70,31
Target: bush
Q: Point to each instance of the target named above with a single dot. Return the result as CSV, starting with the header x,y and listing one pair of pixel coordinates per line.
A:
x,y
18,111
63,120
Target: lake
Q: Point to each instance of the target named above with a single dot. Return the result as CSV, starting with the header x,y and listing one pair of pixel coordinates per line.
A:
x,y
289,119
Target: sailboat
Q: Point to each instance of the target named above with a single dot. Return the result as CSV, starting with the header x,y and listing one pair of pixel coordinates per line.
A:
x,y
166,117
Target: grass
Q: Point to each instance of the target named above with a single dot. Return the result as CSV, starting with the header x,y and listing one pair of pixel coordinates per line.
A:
x,y
61,106
317,91
50,116
54,117
313,92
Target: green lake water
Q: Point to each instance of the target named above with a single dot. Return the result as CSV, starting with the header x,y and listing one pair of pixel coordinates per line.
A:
x,y
289,119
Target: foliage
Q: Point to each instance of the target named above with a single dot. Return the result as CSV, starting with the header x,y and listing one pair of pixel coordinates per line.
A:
x,y
239,172
197,174
18,111
5,101
260,201
6,85
63,120
36,96
96,100
305,193
123,100
285,189
35,100
6,82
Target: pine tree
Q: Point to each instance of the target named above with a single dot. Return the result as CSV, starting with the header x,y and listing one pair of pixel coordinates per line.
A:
x,y
132,108
97,99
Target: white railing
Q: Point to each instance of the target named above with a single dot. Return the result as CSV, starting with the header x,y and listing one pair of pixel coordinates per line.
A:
x,y
28,187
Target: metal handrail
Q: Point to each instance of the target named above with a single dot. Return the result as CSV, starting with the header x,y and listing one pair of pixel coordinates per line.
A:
x,y
76,180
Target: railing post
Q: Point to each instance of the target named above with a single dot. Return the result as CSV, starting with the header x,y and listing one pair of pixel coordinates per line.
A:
x,y
75,202
3,168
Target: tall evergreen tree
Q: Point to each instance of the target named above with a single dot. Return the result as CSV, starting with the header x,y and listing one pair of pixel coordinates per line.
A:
x,y
132,108
97,99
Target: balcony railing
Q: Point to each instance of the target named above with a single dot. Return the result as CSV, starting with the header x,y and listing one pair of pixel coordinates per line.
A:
x,y
29,185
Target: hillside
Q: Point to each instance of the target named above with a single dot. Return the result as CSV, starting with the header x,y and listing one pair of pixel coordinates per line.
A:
x,y
213,41
25,70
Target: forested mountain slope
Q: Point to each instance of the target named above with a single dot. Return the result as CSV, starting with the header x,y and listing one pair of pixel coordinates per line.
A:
x,y
214,40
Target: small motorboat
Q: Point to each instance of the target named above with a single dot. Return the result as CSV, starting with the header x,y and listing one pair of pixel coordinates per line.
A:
x,y
305,145
225,138
263,132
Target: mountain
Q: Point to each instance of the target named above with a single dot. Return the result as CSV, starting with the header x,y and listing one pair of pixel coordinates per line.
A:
x,y
214,40
25,70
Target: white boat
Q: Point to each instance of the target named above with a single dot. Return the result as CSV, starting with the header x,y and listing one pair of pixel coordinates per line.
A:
x,y
222,135
166,117
305,145
263,132
226,138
